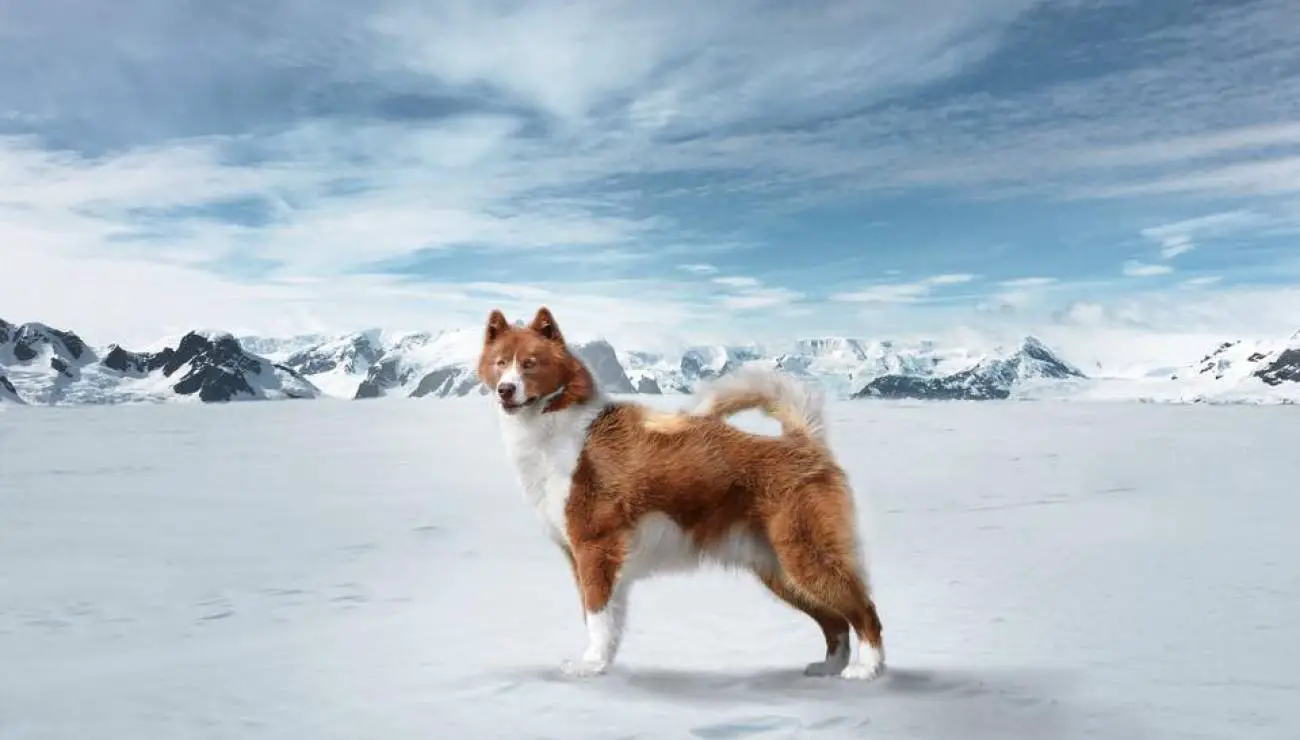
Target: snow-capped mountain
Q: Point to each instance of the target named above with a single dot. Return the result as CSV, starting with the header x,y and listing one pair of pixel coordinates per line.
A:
x,y
279,348
40,364
336,365
994,377
43,365
212,366
420,364
841,365
1245,369
650,372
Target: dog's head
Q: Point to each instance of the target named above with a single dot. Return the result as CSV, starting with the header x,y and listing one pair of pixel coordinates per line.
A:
x,y
530,366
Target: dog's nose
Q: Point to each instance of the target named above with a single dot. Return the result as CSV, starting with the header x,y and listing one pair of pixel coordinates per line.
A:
x,y
506,390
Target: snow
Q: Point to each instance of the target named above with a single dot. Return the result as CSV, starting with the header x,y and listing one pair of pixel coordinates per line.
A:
x,y
371,570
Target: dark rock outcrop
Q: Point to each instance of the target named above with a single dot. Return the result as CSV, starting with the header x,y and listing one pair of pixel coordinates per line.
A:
x,y
444,382
649,386
602,362
26,340
382,377
135,364
1285,368
8,393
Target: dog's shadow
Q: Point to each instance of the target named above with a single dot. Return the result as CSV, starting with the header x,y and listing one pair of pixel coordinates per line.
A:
x,y
928,703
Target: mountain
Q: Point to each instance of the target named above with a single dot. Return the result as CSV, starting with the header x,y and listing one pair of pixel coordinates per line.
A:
x,y
1241,369
40,364
279,348
995,377
337,365
43,365
445,365
650,372
212,366
373,364
839,364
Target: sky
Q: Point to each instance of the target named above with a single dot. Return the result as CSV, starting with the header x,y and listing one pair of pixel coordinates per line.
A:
x,y
653,172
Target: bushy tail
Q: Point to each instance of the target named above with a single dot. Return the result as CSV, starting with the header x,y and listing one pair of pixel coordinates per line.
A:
x,y
797,406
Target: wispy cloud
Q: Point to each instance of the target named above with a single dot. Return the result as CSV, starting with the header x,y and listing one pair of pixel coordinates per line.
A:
x,y
745,293
1177,238
737,281
902,292
698,268
1202,281
1028,282
1133,268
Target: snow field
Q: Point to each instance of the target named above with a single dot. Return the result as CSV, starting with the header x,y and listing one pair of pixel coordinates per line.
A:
x,y
368,569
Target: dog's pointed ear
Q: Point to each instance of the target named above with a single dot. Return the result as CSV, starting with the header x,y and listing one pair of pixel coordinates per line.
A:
x,y
496,326
544,324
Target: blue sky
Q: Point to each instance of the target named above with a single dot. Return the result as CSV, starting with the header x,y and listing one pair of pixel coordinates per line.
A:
x,y
732,170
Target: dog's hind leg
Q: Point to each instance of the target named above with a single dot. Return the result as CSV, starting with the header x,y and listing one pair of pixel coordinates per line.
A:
x,y
812,536
835,628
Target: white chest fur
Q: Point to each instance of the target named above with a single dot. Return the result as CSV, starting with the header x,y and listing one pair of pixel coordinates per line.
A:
x,y
545,449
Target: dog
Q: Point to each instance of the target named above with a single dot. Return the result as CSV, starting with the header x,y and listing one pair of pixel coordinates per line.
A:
x,y
627,492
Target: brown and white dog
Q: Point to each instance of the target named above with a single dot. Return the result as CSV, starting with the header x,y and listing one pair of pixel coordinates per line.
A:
x,y
627,491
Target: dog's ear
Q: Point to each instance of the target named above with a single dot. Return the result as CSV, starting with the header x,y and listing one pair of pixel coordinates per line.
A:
x,y
544,324
496,326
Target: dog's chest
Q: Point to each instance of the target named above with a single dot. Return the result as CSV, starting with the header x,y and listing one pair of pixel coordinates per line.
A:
x,y
545,450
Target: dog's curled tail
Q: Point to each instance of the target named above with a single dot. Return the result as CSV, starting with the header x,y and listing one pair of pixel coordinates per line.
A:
x,y
797,406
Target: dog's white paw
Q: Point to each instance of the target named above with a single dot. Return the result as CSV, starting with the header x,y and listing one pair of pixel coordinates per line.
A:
x,y
867,667
862,671
583,668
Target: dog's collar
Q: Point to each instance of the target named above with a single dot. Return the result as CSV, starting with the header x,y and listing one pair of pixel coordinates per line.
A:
x,y
545,401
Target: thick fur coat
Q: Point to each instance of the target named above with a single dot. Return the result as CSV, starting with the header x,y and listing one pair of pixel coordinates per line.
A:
x,y
627,492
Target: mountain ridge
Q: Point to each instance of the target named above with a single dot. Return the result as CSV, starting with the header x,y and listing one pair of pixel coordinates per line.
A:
x,y
42,364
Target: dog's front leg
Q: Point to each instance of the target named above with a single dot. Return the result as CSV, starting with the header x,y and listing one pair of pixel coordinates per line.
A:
x,y
605,598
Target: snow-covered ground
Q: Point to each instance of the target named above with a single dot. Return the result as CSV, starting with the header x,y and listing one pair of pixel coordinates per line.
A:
x,y
368,570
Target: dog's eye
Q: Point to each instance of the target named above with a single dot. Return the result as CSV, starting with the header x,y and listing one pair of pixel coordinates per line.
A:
x,y
501,362
529,363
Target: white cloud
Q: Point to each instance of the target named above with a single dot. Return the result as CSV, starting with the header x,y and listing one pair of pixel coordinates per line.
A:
x,y
1133,268
698,268
903,292
681,65
888,293
1028,282
761,298
749,293
171,299
1173,246
950,279
1177,238
1232,312
737,281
